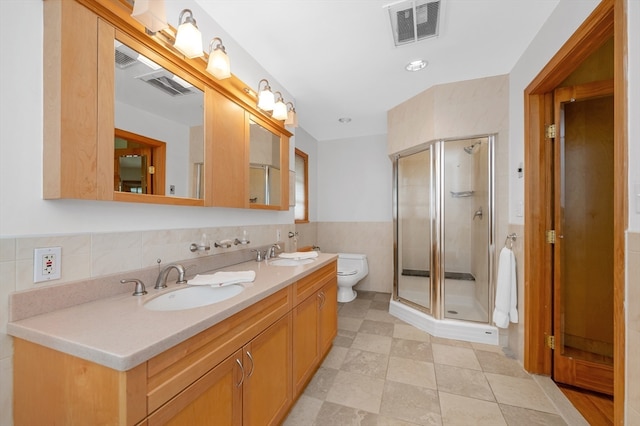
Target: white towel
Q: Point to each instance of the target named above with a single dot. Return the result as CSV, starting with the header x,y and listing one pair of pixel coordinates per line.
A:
x,y
222,278
300,255
506,308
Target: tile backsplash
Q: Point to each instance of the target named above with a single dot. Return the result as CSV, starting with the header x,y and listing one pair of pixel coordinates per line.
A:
x,y
94,256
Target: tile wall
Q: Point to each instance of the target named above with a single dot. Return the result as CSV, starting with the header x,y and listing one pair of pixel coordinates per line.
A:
x,y
632,369
375,239
515,332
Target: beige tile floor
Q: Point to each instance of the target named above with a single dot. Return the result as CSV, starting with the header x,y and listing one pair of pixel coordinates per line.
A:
x,y
382,371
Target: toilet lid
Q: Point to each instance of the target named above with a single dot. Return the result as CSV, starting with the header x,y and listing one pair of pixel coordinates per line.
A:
x,y
343,273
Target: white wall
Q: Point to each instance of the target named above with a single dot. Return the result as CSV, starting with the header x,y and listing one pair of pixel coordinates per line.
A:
x,y
355,176
174,134
562,23
307,144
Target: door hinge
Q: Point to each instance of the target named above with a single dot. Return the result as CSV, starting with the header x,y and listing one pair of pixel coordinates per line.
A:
x,y
550,341
550,131
551,236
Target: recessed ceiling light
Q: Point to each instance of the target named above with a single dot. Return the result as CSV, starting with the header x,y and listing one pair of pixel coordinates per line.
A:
x,y
344,120
416,65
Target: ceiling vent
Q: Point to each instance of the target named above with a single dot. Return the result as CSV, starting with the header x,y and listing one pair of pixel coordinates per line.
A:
x,y
161,79
123,60
167,82
412,21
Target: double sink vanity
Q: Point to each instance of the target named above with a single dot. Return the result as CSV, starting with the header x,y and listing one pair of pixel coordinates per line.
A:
x,y
234,355
243,359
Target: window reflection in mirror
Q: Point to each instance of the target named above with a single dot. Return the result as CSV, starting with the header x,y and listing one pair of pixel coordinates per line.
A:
x,y
155,104
264,172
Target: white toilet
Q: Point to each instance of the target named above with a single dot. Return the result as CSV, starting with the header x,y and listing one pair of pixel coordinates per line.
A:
x,y
351,269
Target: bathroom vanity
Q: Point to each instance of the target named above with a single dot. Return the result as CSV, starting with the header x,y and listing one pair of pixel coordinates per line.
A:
x,y
244,360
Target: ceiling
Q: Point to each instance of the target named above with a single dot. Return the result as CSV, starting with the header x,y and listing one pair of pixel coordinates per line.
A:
x,y
337,57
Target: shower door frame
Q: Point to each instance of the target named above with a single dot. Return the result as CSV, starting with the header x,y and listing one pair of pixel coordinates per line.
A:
x,y
436,301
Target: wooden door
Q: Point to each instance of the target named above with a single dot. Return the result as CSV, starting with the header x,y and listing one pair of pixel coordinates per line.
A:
x,y
143,180
268,384
215,399
583,249
306,350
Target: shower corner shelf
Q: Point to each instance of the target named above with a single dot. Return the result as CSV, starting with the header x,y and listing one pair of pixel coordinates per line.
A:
x,y
461,194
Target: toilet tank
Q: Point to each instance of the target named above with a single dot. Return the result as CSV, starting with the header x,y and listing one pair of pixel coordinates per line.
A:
x,y
349,261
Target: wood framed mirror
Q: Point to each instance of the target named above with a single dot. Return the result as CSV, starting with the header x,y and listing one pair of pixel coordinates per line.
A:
x,y
159,121
268,166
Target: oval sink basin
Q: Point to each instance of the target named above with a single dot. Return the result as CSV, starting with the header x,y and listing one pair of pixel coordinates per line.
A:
x,y
192,297
290,262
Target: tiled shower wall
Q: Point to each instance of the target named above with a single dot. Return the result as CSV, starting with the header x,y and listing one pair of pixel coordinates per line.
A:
x,y
92,255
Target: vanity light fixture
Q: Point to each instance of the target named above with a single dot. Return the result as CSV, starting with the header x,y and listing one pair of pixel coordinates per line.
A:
x,y
188,39
416,65
280,109
218,64
151,14
292,117
266,100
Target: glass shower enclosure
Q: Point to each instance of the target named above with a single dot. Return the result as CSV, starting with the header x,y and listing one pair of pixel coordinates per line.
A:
x,y
444,228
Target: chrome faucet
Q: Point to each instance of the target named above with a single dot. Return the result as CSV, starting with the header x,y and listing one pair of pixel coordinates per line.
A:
x,y
271,251
161,282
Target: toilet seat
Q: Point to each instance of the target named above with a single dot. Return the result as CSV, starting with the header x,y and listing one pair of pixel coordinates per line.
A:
x,y
345,273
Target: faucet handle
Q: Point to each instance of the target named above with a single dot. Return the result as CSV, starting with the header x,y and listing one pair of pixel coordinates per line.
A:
x,y
139,290
258,255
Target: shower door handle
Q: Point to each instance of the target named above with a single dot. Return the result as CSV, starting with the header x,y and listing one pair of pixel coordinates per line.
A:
x,y
478,213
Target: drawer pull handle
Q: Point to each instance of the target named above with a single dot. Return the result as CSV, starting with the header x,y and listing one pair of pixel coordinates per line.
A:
x,y
242,371
252,364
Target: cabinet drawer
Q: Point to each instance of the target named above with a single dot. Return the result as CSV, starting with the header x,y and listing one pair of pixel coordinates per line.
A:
x,y
178,367
308,285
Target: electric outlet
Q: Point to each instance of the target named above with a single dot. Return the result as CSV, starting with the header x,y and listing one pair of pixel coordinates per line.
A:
x,y
172,189
47,264
278,235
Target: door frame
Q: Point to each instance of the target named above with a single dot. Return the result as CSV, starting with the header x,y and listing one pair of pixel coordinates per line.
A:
x,y
608,18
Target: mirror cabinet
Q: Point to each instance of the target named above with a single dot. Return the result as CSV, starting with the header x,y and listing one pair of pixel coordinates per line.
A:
x,y
126,118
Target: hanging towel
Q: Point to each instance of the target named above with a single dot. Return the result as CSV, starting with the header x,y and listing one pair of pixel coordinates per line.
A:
x,y
299,255
506,308
222,278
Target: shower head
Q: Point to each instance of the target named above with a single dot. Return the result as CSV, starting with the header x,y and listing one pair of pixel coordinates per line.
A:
x,y
473,148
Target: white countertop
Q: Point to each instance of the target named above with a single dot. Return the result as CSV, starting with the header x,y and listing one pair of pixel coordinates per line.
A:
x,y
118,332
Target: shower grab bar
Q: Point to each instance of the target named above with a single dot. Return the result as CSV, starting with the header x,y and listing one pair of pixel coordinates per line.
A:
x,y
510,240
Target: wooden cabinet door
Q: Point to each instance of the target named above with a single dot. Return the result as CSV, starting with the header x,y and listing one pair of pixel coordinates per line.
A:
x,y
306,349
328,315
268,385
226,152
215,398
